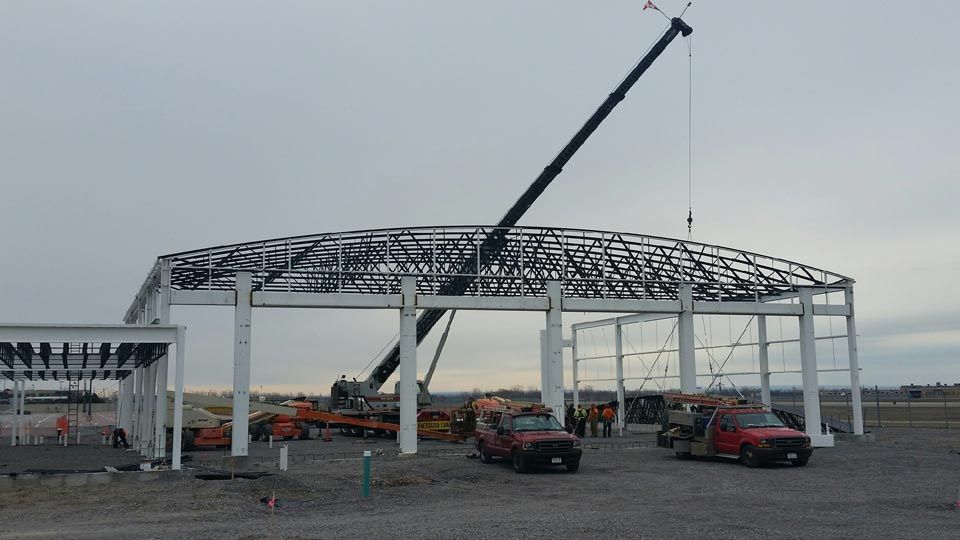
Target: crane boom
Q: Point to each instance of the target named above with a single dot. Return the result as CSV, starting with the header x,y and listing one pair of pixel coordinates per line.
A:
x,y
495,240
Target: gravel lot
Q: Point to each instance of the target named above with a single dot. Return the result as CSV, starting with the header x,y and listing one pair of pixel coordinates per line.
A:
x,y
903,486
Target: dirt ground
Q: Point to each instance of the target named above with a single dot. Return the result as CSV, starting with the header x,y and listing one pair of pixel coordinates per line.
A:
x,y
903,486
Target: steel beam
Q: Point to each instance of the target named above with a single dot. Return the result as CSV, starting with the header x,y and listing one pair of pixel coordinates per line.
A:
x,y
202,298
763,352
833,310
618,353
554,342
854,361
808,366
178,399
408,366
319,300
685,336
241,365
92,333
160,406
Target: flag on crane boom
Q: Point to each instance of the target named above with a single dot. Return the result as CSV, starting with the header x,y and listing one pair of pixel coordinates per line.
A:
x,y
650,5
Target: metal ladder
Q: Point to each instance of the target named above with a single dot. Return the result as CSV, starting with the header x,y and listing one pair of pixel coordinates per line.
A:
x,y
73,410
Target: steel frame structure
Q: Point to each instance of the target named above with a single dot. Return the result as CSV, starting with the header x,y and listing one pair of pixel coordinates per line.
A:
x,y
125,352
546,269
687,358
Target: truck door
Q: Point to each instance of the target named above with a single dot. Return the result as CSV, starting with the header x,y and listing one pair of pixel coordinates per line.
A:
x,y
726,440
504,435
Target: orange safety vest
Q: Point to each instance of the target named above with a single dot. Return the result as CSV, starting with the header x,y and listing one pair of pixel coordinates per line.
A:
x,y
608,414
62,424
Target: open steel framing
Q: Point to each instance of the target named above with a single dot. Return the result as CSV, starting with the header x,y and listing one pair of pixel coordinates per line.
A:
x,y
546,269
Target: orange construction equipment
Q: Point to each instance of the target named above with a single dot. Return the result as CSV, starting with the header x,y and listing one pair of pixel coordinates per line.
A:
x,y
306,414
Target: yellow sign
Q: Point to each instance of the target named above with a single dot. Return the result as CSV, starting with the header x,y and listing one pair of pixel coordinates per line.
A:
x,y
435,426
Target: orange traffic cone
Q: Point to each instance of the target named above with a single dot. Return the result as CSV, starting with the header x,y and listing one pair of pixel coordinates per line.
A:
x,y
326,433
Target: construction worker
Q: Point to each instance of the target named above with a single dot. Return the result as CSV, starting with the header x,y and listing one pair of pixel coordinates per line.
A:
x,y
580,420
607,417
593,417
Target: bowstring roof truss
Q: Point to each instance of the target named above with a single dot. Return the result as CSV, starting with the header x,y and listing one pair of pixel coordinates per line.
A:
x,y
512,262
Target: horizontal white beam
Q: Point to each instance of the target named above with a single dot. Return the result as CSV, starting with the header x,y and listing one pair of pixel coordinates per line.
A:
x,y
746,308
617,305
626,319
96,333
318,300
203,298
835,310
499,303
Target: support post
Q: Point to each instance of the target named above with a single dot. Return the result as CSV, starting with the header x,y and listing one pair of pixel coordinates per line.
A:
x,y
408,366
160,425
136,414
544,369
149,398
241,365
554,341
854,362
575,370
808,368
178,399
618,352
16,413
126,405
685,331
764,350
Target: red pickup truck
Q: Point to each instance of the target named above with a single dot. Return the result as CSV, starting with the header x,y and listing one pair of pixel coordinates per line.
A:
x,y
528,439
750,434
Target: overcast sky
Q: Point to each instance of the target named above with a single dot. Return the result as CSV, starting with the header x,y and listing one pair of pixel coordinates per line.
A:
x,y
824,132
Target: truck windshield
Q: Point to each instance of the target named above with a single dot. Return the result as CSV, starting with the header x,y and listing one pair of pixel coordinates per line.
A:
x,y
543,422
760,419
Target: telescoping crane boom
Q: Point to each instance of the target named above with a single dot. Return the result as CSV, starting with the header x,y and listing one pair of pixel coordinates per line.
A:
x,y
354,395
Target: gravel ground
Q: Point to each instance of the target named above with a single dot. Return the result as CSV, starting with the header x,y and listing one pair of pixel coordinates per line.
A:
x,y
903,486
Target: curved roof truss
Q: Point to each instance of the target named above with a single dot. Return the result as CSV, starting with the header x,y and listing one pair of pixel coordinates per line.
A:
x,y
491,261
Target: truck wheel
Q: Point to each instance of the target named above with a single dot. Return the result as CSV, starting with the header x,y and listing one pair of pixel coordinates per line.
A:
x,y
266,430
573,466
519,464
748,456
305,433
288,437
800,462
255,432
485,456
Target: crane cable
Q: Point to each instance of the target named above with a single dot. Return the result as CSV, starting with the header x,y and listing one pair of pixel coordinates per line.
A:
x,y
689,137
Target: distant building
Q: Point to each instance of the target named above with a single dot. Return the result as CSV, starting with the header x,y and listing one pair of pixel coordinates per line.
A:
x,y
916,391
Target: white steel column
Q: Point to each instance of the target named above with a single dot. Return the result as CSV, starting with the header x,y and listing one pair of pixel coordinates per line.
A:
x,y
575,369
544,369
16,417
685,334
554,342
808,368
160,425
241,365
408,366
618,352
764,349
146,434
136,414
125,421
854,365
178,400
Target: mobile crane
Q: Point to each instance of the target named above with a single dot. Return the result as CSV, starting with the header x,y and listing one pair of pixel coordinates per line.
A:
x,y
363,398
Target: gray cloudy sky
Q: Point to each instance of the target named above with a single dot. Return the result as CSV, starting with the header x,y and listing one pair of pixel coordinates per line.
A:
x,y
824,132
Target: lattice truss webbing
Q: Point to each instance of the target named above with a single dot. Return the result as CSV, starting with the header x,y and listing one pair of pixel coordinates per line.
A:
x,y
67,361
497,262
